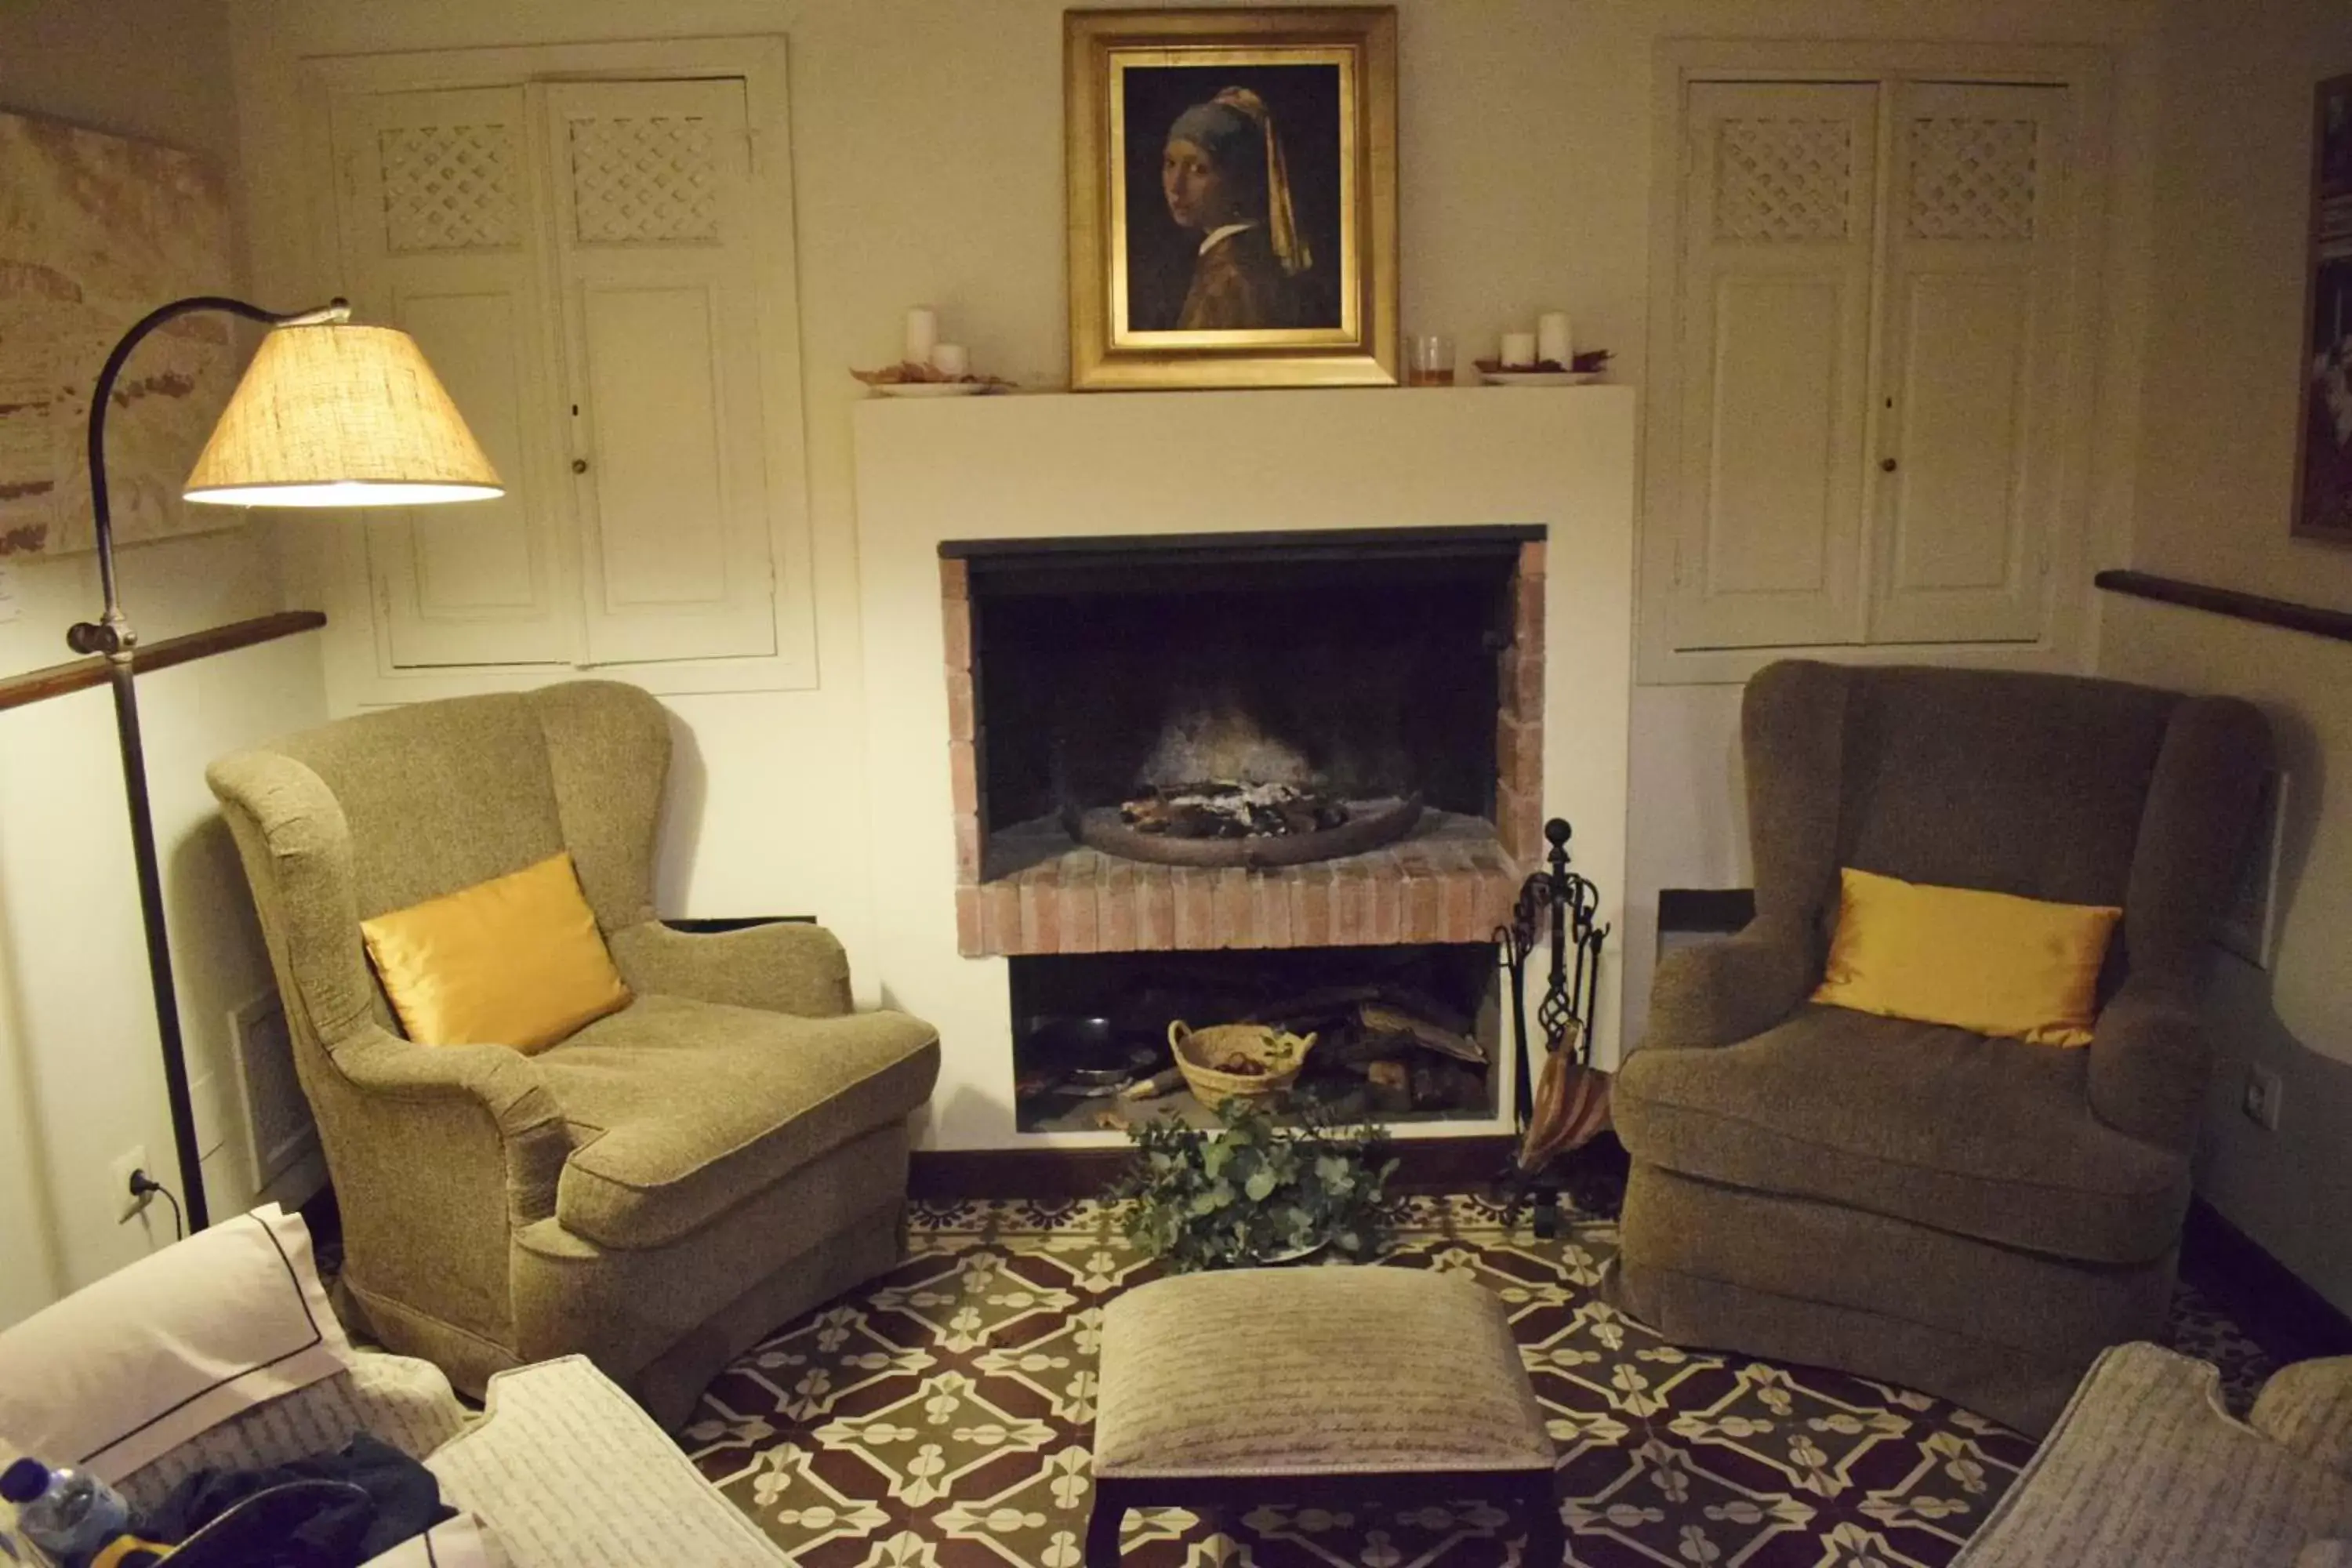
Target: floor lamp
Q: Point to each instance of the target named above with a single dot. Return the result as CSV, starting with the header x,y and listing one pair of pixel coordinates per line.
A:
x,y
328,414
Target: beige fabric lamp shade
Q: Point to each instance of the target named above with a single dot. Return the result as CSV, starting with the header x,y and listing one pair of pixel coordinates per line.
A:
x,y
339,416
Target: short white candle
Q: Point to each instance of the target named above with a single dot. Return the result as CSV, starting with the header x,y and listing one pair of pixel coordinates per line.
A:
x,y
922,335
949,359
1518,350
1552,341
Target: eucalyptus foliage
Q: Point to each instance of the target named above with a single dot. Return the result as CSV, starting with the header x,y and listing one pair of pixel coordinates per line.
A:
x,y
1248,1191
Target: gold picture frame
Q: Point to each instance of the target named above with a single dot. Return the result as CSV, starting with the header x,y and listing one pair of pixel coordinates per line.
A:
x,y
1232,197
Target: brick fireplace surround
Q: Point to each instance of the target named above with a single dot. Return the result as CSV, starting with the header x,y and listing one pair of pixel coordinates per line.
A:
x,y
1453,880
1144,466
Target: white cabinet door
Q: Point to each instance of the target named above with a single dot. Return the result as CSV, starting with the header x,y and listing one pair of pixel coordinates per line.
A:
x,y
435,219
1966,482
656,259
1778,201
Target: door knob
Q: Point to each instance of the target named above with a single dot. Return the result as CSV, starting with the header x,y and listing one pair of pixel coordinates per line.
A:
x,y
1885,465
580,465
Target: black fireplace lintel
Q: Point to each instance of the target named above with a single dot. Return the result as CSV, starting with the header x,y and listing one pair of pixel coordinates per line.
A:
x,y
1300,544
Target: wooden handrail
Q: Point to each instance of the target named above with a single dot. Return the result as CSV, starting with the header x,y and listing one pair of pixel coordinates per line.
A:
x,y
2230,601
81,674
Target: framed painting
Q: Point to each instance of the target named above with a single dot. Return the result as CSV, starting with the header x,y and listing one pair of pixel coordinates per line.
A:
x,y
96,231
1232,197
2323,490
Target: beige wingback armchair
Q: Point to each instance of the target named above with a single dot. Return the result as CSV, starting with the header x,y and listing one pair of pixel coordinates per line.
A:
x,y
656,1191
1973,1217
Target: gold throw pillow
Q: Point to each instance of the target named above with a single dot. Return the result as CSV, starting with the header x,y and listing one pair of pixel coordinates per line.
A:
x,y
516,961
1991,962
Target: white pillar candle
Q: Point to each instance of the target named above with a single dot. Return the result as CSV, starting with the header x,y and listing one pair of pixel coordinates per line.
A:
x,y
1518,350
922,335
949,359
1552,341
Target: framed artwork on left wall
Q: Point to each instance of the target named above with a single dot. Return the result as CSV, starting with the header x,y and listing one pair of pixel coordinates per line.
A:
x,y
95,231
1232,197
2323,489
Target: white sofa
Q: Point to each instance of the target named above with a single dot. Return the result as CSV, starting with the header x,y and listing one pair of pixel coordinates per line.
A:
x,y
221,1351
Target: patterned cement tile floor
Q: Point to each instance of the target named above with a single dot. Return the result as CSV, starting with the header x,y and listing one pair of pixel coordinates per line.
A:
x,y
940,1419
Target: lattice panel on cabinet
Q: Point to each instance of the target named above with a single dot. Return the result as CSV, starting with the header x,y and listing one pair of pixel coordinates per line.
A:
x,y
646,180
1779,180
1973,179
447,187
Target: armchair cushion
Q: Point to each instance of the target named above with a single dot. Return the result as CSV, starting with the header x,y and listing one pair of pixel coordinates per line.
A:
x,y
515,961
2023,969
1988,1138
678,1109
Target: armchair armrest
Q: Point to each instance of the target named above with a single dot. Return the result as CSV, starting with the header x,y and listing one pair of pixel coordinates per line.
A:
x,y
2308,1407
1728,991
485,1102
785,966
2149,1062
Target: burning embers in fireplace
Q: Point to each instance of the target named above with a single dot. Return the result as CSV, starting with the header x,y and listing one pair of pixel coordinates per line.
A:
x,y
1229,808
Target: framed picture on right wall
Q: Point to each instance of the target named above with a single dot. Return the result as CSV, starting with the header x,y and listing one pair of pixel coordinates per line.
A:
x,y
2323,490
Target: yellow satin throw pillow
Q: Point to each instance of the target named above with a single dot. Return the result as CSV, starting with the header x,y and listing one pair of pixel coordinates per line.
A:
x,y
516,961
1991,962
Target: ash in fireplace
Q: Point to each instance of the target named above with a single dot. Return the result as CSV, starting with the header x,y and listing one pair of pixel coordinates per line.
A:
x,y
1227,808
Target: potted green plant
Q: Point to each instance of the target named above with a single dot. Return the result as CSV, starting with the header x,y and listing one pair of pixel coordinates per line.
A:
x,y
1249,1192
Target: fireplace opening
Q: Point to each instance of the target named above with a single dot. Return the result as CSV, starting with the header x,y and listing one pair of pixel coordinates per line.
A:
x,y
1403,1034
1356,672
1242,741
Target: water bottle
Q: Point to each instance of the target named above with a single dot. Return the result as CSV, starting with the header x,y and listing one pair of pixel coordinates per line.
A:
x,y
65,1512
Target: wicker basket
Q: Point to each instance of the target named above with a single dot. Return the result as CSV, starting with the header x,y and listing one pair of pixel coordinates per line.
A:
x,y
1283,1055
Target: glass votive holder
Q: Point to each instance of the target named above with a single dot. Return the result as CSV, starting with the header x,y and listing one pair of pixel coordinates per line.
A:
x,y
1429,360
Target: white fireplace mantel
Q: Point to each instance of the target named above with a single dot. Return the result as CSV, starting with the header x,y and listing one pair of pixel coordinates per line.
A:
x,y
1053,466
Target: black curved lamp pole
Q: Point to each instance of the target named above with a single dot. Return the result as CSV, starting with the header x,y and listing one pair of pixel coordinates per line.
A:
x,y
111,637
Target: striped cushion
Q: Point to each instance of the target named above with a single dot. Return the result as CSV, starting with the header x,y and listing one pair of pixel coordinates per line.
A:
x,y
1341,1370
2146,1470
464,1541
2308,1406
570,1472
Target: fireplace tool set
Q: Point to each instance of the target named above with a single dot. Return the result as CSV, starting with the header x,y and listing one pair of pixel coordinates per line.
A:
x,y
1566,1106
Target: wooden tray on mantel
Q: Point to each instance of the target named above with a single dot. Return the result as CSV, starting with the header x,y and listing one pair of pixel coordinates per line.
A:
x,y
1370,824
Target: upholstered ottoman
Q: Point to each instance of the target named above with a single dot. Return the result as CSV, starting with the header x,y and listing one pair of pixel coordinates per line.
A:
x,y
1315,1387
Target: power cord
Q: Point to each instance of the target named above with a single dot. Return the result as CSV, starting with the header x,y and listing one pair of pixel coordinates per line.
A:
x,y
141,1184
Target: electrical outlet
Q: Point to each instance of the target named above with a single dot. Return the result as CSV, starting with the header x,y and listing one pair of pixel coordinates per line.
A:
x,y
2262,1094
128,1205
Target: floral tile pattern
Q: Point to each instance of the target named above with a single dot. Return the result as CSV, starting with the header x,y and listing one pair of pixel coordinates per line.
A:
x,y
940,1418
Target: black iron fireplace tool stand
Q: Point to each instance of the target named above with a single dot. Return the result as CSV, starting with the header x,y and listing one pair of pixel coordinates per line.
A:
x,y
1563,903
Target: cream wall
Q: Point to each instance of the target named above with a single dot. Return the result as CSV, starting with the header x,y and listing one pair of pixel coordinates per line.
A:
x,y
928,159
1041,467
2216,474
80,1080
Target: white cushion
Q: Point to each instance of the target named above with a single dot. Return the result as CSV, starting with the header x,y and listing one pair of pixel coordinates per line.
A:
x,y
124,1370
464,1541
